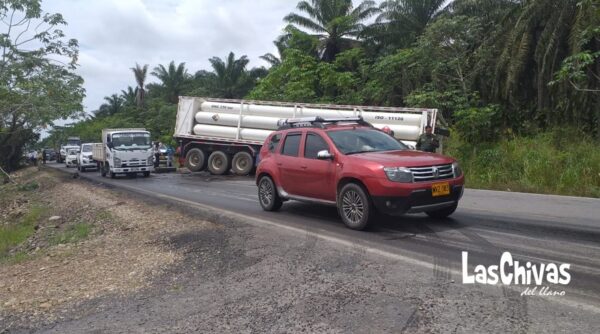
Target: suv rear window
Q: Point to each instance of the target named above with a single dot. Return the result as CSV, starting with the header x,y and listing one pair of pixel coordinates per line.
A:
x,y
274,142
314,144
291,146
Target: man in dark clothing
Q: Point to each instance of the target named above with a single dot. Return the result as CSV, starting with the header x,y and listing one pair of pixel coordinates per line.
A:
x,y
428,142
156,154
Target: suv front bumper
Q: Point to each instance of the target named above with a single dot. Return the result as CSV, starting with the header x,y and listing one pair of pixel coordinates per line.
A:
x,y
419,200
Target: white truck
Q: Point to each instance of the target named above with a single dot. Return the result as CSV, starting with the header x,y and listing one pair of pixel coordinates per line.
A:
x,y
222,134
124,151
72,142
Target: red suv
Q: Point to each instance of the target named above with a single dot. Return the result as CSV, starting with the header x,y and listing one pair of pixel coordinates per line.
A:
x,y
356,167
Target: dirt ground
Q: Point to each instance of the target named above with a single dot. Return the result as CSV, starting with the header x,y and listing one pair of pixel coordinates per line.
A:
x,y
121,250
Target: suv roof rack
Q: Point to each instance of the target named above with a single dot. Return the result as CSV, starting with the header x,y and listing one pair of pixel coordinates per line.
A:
x,y
317,121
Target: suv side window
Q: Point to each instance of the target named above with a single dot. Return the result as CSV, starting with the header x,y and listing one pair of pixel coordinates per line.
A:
x,y
314,144
291,145
274,142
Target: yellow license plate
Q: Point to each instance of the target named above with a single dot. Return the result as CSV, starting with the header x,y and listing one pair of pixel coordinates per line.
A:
x,y
440,189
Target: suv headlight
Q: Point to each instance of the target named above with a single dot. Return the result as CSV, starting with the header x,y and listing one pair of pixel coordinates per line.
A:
x,y
456,169
399,174
117,162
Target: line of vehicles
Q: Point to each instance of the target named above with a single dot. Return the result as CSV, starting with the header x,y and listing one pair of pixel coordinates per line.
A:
x,y
327,154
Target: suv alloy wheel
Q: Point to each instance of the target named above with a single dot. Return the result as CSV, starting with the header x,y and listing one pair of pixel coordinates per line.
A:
x,y
354,206
267,195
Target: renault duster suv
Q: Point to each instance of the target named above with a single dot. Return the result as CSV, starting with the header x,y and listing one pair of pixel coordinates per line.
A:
x,y
356,167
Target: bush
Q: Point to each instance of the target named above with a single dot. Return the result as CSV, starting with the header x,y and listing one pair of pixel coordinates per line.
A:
x,y
478,124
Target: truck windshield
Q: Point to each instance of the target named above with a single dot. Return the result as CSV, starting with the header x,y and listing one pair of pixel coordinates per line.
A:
x,y
73,142
86,148
131,141
354,141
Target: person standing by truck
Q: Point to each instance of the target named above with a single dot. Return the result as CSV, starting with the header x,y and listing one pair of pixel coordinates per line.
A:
x,y
156,154
428,142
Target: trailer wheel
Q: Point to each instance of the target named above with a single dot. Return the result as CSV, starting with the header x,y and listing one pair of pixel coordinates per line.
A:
x,y
195,160
219,163
242,163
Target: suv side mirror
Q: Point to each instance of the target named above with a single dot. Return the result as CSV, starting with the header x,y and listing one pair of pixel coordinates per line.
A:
x,y
324,155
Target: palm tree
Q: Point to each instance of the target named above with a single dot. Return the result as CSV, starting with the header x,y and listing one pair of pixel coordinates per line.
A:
x,y
173,79
232,79
532,51
402,21
130,95
140,73
113,105
336,23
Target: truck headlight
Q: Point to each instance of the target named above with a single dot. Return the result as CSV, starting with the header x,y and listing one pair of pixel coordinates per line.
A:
x,y
456,169
399,174
150,160
117,162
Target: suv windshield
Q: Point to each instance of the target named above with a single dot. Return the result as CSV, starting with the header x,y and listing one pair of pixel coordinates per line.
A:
x,y
354,141
131,141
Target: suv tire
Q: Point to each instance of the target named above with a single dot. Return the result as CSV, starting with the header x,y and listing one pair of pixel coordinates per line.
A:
x,y
354,206
267,194
442,213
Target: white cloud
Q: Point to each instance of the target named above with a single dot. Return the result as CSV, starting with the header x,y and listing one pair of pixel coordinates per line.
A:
x,y
115,34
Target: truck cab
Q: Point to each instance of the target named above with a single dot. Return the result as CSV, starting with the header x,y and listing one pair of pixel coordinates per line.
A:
x,y
124,151
72,142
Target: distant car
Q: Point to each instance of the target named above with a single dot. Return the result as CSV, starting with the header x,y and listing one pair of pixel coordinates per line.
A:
x,y
71,157
50,154
358,169
84,158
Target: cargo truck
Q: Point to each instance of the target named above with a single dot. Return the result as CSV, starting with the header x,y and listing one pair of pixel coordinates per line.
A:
x,y
124,151
72,143
222,135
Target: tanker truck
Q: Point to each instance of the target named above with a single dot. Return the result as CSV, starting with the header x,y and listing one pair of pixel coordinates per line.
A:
x,y
124,151
222,134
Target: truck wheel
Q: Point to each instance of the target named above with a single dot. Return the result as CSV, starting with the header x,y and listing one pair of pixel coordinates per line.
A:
x,y
219,163
354,206
195,160
442,213
267,194
102,170
242,163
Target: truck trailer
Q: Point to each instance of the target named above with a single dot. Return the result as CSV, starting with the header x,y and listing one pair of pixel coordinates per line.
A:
x,y
223,134
124,151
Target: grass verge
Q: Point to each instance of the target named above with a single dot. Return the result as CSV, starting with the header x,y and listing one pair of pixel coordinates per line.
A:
x,y
562,162
13,234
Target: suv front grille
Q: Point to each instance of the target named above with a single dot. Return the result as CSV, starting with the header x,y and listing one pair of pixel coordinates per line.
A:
x,y
430,173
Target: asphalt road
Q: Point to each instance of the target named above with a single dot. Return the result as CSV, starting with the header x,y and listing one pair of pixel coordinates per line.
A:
x,y
533,228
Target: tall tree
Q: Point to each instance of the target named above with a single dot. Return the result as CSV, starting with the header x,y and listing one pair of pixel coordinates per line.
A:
x,y
401,22
38,83
129,96
232,79
336,23
113,105
173,80
140,73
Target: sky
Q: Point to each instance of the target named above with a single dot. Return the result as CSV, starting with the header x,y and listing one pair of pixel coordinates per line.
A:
x,y
114,35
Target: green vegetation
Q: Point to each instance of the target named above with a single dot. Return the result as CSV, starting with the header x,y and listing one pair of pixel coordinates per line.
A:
x,y
72,234
13,234
560,161
503,73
